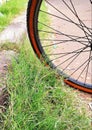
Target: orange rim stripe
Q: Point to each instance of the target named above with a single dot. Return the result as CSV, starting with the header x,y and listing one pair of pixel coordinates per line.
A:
x,y
77,86
31,27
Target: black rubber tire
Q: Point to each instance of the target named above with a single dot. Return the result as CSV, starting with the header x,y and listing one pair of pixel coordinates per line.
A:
x,y
32,27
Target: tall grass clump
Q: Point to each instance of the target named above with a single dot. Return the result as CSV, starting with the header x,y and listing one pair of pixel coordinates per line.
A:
x,y
9,10
38,100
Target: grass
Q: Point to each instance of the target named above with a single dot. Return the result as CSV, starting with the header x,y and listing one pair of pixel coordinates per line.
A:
x,y
9,46
38,99
9,10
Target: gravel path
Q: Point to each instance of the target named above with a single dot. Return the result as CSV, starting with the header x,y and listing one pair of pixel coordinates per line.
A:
x,y
13,34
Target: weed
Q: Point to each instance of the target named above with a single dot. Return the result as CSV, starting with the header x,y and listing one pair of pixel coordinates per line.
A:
x,y
38,99
9,10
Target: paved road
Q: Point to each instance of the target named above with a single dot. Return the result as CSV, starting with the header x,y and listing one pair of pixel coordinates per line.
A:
x,y
73,37
14,32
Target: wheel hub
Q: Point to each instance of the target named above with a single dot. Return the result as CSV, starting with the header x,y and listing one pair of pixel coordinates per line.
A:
x,y
91,1
91,46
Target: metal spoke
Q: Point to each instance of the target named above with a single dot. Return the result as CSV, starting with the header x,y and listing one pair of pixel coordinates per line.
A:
x,y
81,65
73,36
81,22
76,15
65,54
62,42
59,17
75,56
88,66
65,16
69,36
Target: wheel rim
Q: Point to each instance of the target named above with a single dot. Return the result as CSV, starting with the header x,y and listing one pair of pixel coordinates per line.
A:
x,y
65,41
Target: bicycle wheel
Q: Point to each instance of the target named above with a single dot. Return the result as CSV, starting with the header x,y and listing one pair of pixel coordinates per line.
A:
x,y
61,33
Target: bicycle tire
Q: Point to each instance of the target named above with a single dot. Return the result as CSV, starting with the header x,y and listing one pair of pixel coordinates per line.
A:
x,y
39,45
